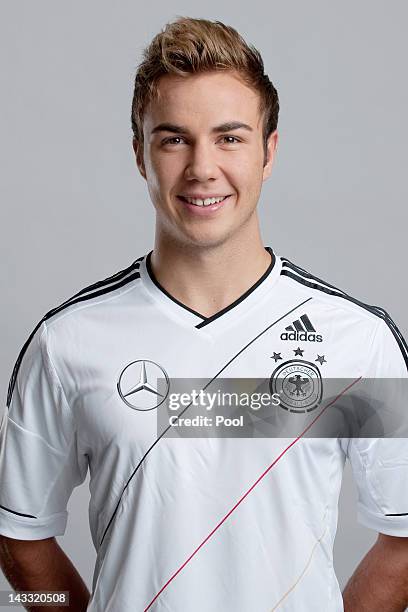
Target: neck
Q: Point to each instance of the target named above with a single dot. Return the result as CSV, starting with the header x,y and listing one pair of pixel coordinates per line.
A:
x,y
208,279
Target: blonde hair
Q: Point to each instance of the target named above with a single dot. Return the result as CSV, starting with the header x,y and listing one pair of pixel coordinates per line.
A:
x,y
188,46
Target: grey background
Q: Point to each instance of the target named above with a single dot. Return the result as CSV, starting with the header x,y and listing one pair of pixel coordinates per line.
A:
x,y
74,209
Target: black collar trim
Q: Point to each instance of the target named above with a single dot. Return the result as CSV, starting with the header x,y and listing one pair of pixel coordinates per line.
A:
x,y
207,320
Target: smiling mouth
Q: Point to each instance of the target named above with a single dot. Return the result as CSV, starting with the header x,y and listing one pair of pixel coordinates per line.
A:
x,y
203,203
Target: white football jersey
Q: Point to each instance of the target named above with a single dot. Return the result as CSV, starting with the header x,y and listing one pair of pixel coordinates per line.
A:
x,y
200,523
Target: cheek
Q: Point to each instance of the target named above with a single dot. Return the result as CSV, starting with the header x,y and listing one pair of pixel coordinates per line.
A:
x,y
156,176
245,175
247,166
165,172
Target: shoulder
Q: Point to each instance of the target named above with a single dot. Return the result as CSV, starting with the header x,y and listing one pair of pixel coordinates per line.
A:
x,y
328,293
97,294
385,331
63,318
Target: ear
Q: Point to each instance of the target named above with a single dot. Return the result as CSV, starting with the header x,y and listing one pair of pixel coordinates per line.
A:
x,y
138,149
272,144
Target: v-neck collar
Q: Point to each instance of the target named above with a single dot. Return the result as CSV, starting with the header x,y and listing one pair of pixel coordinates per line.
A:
x,y
190,317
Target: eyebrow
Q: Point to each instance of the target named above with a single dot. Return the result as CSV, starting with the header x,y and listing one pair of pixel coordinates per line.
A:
x,y
229,126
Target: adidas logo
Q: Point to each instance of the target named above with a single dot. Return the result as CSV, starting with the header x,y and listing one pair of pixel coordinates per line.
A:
x,y
301,329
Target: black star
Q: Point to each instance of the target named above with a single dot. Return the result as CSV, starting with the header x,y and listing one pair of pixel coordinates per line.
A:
x,y
276,356
299,351
321,359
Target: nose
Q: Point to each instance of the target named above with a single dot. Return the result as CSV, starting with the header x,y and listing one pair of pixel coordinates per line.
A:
x,y
202,164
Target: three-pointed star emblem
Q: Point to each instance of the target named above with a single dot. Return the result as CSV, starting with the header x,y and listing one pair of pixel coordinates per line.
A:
x,y
142,384
143,395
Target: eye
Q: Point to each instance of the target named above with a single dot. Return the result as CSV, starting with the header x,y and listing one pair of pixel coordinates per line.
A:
x,y
171,140
233,140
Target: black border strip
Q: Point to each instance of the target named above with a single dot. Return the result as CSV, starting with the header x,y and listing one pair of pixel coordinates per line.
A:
x,y
78,297
187,407
18,513
379,312
163,290
207,320
244,295
305,273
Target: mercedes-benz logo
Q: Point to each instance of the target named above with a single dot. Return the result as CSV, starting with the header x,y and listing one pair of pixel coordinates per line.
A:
x,y
143,395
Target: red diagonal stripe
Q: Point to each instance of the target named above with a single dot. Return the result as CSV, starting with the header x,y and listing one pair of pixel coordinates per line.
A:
x,y
275,461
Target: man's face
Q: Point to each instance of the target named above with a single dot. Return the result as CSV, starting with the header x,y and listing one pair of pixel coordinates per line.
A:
x,y
203,139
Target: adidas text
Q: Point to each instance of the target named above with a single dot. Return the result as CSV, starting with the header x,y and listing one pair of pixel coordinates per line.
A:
x,y
298,336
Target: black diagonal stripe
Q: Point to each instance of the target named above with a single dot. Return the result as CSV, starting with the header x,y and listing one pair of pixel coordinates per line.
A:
x,y
298,326
379,312
391,323
78,297
304,273
187,407
383,314
110,279
18,513
307,323
398,514
374,309
290,328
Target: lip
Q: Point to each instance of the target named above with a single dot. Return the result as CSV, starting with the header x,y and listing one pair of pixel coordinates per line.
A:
x,y
203,211
203,196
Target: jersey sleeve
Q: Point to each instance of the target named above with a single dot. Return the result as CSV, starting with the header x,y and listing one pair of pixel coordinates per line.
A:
x,y
380,465
39,460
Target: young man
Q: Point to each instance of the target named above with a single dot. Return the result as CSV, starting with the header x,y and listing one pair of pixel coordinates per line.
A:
x,y
185,522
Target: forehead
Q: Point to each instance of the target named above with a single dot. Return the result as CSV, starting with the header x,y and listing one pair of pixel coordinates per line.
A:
x,y
203,99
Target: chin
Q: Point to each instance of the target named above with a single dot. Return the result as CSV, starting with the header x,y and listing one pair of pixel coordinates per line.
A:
x,y
196,235
207,239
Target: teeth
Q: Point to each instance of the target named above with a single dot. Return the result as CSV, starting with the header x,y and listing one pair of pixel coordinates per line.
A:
x,y
206,202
